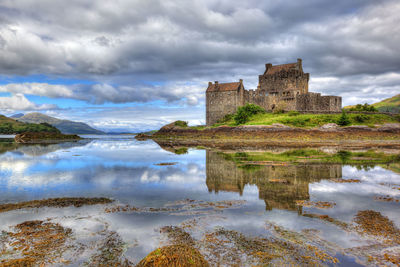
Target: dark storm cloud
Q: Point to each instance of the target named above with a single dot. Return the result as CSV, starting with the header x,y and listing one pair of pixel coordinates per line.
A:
x,y
123,44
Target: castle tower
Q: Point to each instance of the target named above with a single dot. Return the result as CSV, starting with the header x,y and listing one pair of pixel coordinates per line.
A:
x,y
286,80
222,99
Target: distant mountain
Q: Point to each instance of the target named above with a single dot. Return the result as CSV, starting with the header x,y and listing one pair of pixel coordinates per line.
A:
x,y
389,104
65,126
16,116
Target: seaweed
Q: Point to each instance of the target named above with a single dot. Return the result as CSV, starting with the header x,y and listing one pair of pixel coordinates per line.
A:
x,y
36,243
315,204
54,202
174,256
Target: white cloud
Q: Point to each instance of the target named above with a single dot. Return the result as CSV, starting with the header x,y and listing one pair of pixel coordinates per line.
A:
x,y
20,102
40,89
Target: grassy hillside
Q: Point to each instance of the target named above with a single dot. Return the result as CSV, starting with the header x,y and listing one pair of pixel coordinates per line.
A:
x,y
312,120
389,105
11,126
65,126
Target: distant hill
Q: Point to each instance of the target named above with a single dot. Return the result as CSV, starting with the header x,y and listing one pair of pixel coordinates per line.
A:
x,y
12,126
389,104
65,126
16,116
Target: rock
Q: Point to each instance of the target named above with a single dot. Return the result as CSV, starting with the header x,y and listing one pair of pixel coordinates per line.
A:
x,y
142,137
280,125
329,127
33,137
390,127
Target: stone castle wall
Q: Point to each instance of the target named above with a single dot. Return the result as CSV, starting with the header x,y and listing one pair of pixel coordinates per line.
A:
x,y
218,104
282,86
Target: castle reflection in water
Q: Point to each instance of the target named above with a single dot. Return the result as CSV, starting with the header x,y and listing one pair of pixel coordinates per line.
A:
x,y
279,186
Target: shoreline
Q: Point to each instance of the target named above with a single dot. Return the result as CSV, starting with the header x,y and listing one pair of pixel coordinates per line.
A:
x,y
264,136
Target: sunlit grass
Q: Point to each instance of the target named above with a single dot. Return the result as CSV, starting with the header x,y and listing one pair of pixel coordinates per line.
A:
x,y
312,120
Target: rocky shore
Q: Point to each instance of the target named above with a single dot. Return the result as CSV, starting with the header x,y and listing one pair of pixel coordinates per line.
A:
x,y
386,135
44,137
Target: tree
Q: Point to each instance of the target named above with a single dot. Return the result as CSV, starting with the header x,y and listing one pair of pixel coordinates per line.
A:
x,y
244,113
344,119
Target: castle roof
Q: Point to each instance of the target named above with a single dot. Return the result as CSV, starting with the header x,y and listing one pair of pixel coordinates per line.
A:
x,y
223,87
277,68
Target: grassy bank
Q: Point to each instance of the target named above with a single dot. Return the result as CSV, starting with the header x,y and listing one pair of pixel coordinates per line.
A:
x,y
294,119
299,156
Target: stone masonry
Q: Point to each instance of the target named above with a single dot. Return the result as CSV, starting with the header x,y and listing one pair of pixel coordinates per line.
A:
x,y
280,87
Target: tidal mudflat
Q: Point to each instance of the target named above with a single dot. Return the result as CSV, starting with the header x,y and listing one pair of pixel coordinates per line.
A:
x,y
116,201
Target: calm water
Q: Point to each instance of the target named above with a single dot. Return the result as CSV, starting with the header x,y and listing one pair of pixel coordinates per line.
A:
x,y
126,170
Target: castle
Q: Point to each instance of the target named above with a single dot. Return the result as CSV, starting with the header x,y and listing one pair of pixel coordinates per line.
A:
x,y
280,87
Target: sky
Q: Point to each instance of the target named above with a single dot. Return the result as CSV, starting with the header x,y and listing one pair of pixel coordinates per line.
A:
x,y
135,65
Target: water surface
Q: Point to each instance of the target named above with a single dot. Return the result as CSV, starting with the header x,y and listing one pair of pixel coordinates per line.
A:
x,y
144,175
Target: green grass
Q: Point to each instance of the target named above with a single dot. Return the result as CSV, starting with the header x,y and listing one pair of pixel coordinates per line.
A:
x,y
10,126
312,120
313,156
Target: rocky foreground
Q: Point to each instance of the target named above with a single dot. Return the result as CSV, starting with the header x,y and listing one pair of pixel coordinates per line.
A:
x,y
386,135
44,137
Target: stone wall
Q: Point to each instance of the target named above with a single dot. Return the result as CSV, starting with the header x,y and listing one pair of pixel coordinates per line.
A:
x,y
316,102
284,84
218,104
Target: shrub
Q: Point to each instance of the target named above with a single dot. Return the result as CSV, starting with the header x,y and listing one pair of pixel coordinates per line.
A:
x,y
181,151
365,107
181,123
344,119
245,112
293,113
344,155
226,118
360,118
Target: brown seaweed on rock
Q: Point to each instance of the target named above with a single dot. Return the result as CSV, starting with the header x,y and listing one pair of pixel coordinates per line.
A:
x,y
54,202
374,223
174,256
34,243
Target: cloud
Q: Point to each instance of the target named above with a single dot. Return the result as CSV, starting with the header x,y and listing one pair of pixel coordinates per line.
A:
x,y
20,102
39,89
178,39
146,51
190,94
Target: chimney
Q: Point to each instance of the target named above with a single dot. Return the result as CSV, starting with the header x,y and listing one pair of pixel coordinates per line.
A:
x,y
209,84
267,66
241,80
299,61
299,64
